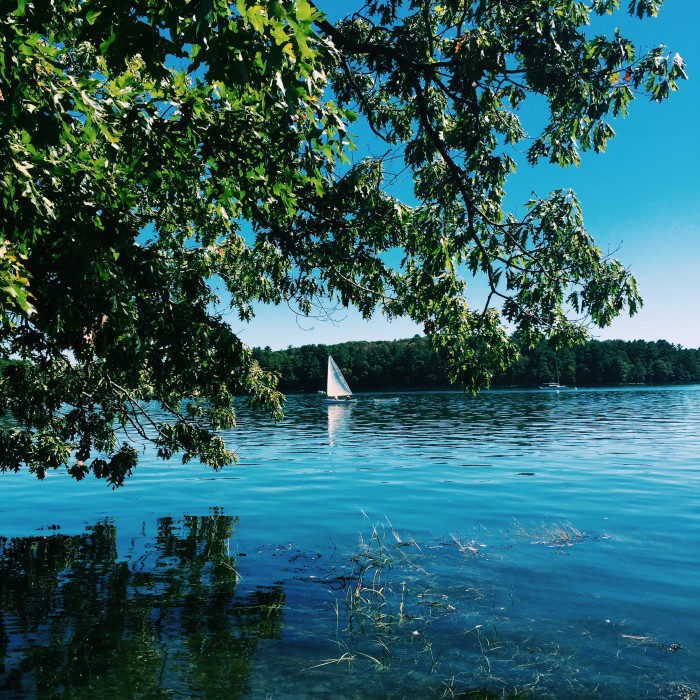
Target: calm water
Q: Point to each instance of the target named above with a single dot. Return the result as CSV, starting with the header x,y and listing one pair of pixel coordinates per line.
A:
x,y
525,544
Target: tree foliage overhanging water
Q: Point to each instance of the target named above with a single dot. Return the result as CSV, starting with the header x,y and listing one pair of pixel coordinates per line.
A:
x,y
413,364
163,162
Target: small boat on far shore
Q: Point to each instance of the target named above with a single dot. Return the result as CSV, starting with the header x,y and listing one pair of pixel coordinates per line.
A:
x,y
553,386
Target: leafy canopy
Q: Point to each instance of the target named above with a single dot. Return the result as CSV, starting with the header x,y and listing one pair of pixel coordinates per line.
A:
x,y
163,162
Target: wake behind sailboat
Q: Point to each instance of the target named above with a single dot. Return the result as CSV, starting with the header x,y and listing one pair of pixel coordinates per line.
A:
x,y
337,389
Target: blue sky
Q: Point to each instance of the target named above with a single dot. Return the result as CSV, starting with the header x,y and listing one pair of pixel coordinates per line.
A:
x,y
640,198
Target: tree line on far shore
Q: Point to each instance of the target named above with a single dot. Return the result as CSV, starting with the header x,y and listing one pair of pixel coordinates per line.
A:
x,y
413,364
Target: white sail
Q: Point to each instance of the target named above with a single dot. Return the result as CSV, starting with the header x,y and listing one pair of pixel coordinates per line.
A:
x,y
337,386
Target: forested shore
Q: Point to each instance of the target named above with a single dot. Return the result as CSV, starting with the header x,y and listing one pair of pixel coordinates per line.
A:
x,y
412,364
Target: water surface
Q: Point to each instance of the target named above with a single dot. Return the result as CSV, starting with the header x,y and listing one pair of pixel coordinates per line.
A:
x,y
416,545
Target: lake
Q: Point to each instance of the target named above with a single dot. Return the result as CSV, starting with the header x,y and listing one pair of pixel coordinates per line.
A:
x,y
432,545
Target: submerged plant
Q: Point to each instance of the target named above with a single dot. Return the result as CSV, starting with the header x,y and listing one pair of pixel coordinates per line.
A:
x,y
551,535
366,600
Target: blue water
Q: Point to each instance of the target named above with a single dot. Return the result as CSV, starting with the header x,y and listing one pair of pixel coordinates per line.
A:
x,y
413,545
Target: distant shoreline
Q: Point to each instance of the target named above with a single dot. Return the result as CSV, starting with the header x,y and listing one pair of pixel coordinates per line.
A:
x,y
412,365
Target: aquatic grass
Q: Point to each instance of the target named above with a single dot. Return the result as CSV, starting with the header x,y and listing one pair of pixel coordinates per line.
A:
x,y
469,549
562,534
347,657
389,585
440,615
378,598
395,615
390,601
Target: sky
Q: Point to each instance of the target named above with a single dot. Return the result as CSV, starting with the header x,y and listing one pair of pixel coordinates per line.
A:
x,y
641,199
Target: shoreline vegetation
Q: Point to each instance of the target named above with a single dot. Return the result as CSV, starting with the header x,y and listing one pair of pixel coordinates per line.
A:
x,y
412,364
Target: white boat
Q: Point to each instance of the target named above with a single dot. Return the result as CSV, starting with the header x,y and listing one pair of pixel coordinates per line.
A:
x,y
553,386
337,389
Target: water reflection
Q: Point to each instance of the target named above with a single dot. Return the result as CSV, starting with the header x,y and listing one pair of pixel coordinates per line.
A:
x,y
338,419
77,619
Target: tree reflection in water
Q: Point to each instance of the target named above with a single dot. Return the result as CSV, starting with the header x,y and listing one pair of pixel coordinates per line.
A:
x,y
78,620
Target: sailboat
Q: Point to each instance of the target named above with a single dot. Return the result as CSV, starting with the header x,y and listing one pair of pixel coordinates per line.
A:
x,y
337,389
554,386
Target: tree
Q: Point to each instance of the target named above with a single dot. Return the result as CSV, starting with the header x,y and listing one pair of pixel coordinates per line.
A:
x,y
165,161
